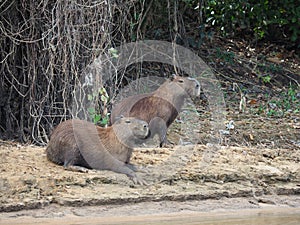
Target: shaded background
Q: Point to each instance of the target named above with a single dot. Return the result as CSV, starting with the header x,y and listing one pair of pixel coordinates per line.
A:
x,y
253,46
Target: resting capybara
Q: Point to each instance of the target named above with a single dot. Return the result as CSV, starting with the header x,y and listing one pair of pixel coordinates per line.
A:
x,y
76,144
164,103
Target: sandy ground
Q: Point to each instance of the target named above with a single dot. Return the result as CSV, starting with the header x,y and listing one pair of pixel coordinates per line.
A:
x,y
180,178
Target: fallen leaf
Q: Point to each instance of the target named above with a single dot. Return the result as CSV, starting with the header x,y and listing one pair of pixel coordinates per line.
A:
x,y
252,102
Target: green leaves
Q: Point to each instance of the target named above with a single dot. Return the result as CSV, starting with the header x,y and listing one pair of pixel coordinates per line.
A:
x,y
113,52
262,17
266,79
96,116
283,105
103,95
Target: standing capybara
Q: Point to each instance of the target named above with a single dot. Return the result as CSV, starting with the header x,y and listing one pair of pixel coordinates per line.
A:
x,y
76,144
164,103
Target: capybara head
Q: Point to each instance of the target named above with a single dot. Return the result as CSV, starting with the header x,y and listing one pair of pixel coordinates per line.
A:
x,y
188,84
130,126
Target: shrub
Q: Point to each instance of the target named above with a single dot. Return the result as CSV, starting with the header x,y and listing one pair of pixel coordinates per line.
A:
x,y
265,19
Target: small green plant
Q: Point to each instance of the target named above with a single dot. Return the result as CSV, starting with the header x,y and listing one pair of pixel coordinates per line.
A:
x,y
266,79
94,115
261,109
292,94
266,71
226,56
113,52
98,113
271,112
287,102
275,113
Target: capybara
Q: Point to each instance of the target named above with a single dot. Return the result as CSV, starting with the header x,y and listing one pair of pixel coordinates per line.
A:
x,y
78,144
164,103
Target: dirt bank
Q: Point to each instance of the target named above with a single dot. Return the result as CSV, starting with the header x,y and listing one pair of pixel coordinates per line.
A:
x,y
181,173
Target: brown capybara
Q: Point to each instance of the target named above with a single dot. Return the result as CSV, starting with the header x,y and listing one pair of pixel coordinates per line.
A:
x,y
76,144
164,103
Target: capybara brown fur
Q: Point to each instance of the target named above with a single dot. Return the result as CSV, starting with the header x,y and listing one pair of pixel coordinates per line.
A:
x,y
165,103
78,144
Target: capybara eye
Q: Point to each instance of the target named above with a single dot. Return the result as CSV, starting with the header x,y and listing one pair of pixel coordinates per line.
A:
x,y
145,125
197,85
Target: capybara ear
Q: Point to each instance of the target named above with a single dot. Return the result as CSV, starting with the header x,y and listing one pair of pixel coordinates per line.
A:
x,y
177,78
118,118
173,77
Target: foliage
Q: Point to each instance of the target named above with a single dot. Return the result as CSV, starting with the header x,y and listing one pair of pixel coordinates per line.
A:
x,y
99,99
227,56
47,45
265,18
288,102
266,71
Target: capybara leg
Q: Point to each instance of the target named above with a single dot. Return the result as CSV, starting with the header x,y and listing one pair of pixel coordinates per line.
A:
x,y
125,169
68,165
76,168
158,128
132,167
138,180
137,168
163,139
